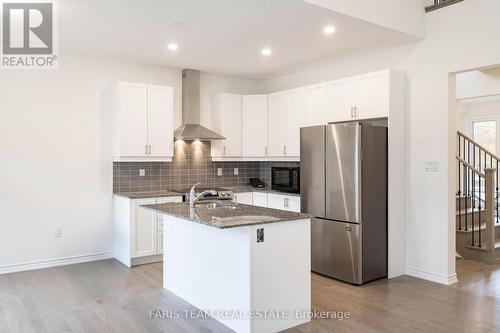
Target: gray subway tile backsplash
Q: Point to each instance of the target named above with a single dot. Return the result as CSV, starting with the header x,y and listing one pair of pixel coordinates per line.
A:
x,y
191,164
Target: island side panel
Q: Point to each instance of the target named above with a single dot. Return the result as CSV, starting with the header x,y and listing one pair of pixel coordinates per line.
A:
x,y
208,267
281,273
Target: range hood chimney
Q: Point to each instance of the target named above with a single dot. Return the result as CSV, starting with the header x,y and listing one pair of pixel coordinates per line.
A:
x,y
191,128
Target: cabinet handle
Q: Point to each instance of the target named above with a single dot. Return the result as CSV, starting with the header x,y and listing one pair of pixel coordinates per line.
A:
x,y
149,149
224,152
284,150
352,111
265,150
146,149
355,111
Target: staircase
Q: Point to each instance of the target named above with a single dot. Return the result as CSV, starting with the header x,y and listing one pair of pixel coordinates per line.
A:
x,y
431,5
477,218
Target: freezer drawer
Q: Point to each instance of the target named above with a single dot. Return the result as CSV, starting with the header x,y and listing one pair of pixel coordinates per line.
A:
x,y
336,250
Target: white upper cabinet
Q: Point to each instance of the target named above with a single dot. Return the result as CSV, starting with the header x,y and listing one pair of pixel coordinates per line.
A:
x,y
316,104
160,120
134,119
287,113
226,120
340,100
254,126
360,97
372,95
138,122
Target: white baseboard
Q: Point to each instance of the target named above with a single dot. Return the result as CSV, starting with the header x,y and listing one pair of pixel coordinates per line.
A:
x,y
438,278
54,262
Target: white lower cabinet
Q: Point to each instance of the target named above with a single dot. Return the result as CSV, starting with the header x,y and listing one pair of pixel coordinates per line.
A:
x,y
138,231
269,200
245,198
260,199
283,202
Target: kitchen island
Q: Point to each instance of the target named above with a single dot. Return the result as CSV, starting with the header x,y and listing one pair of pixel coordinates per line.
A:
x,y
246,266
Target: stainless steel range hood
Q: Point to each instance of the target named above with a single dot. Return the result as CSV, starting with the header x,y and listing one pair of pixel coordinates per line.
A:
x,y
191,128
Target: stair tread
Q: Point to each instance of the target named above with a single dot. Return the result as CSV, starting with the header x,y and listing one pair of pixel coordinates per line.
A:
x,y
476,227
469,210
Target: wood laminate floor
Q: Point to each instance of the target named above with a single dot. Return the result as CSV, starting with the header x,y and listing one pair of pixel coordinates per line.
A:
x,y
105,296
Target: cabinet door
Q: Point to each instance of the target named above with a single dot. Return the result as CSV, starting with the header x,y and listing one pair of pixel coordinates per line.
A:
x,y
161,121
144,225
340,100
287,112
260,199
134,119
294,120
293,204
254,126
226,120
276,201
372,95
244,198
276,123
316,104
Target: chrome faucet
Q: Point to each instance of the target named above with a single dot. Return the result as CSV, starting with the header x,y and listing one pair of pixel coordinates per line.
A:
x,y
193,198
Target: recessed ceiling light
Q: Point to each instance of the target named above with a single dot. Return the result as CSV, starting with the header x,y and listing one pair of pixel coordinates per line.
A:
x,y
173,47
175,22
329,29
266,52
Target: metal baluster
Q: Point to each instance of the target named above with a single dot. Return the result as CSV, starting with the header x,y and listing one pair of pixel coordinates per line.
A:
x,y
473,176
479,230
466,190
459,200
496,198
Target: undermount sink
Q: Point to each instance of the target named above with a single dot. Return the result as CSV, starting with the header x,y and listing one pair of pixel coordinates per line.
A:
x,y
221,205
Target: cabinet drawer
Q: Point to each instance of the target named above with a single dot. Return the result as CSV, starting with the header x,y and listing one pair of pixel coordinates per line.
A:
x,y
260,199
244,198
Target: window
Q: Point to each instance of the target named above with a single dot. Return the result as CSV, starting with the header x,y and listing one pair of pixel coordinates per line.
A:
x,y
485,133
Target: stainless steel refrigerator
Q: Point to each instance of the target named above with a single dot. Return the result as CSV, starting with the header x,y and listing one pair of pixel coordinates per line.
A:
x,y
343,174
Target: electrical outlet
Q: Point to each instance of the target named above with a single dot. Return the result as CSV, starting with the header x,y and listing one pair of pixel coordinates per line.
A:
x,y
219,171
260,235
142,172
236,171
58,232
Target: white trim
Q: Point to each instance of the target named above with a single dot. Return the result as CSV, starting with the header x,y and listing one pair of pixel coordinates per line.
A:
x,y
257,159
438,278
28,266
142,159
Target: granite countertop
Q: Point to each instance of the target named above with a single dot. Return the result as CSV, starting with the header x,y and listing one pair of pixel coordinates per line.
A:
x,y
230,215
148,194
248,188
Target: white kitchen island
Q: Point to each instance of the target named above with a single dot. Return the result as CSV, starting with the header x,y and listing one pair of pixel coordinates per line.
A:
x,y
216,259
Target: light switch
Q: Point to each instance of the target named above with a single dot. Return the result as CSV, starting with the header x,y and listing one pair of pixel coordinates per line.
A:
x,y
219,171
142,172
236,171
431,166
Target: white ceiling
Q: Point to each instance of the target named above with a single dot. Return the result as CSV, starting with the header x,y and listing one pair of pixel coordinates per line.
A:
x,y
217,36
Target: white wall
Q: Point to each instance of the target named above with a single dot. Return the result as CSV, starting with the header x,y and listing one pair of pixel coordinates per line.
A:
x,y
50,174
478,83
477,111
405,16
450,46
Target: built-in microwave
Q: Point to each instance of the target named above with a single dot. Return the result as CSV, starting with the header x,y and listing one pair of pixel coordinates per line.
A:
x,y
285,179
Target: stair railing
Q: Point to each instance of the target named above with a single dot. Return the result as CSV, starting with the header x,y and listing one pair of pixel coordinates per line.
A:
x,y
470,181
480,158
